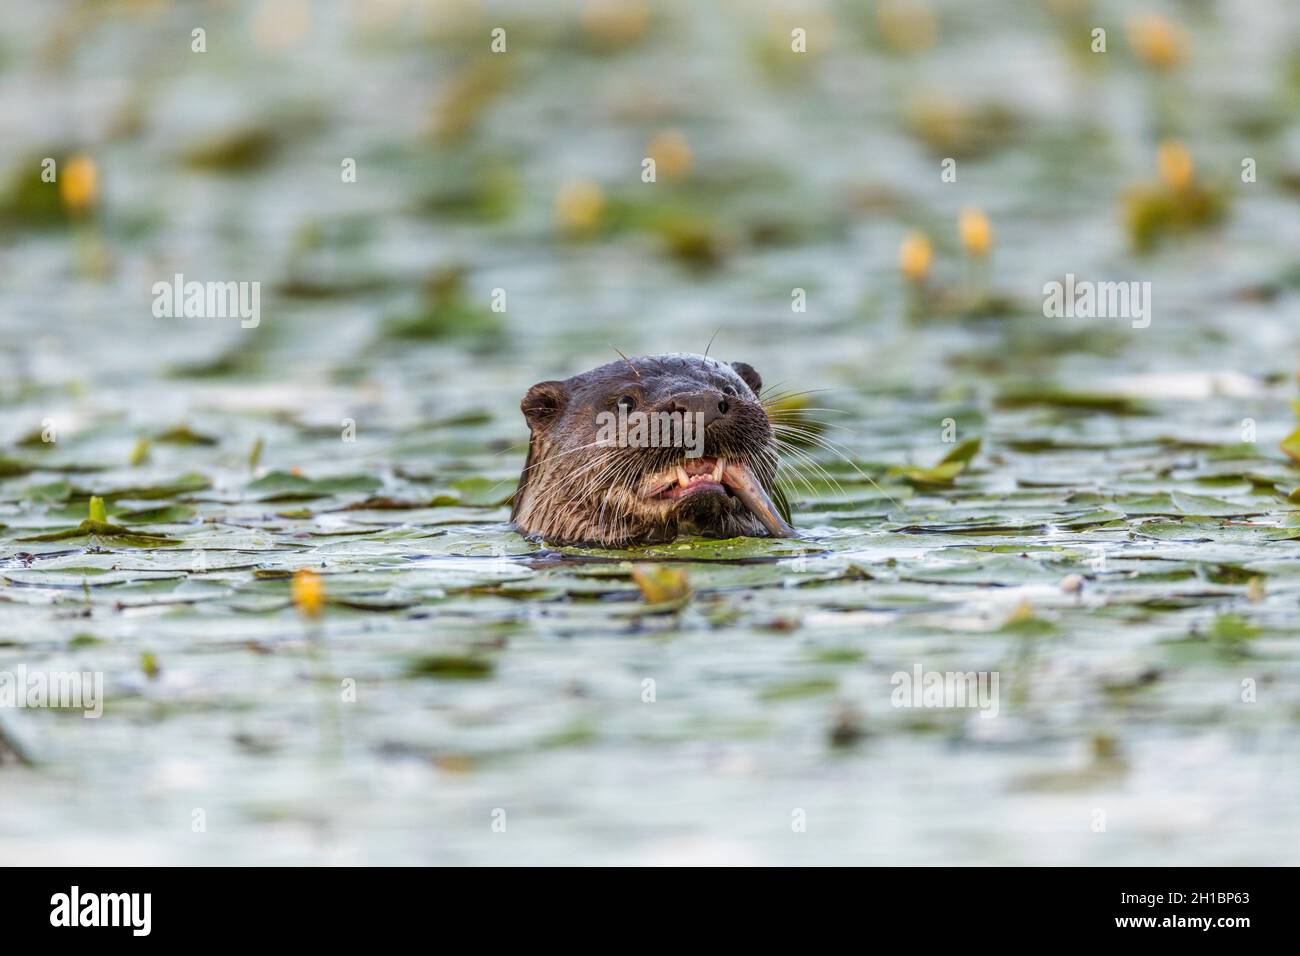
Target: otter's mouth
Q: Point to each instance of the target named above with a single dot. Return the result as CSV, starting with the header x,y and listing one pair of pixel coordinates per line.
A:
x,y
689,476
720,476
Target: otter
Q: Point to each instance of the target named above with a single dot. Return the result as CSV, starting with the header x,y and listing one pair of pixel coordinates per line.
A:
x,y
591,479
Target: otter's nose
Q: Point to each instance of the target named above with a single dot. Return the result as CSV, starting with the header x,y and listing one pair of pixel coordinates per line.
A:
x,y
711,405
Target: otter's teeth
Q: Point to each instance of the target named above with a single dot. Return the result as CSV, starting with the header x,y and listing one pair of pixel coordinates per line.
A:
x,y
740,479
718,468
682,478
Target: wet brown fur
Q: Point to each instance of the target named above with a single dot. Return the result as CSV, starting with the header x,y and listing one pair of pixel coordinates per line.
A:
x,y
573,491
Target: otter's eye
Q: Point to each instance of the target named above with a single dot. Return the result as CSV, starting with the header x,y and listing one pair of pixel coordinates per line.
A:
x,y
628,402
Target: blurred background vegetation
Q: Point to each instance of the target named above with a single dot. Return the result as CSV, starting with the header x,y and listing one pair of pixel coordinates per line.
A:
x,y
800,212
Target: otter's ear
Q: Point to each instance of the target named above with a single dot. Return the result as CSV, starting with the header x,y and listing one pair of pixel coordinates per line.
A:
x,y
543,404
751,377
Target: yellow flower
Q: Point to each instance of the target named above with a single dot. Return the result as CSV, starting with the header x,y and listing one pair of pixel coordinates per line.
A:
x,y
1022,613
907,26
914,256
660,584
976,233
149,664
79,184
579,206
308,592
1174,161
615,23
671,153
1156,41
281,24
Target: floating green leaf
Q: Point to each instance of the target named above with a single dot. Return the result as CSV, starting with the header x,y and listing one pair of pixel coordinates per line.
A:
x,y
661,585
451,667
285,486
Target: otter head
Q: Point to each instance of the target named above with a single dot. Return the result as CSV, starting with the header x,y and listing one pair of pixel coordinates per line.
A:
x,y
645,449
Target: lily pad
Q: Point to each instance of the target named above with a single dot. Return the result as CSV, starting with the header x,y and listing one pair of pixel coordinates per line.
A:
x,y
285,486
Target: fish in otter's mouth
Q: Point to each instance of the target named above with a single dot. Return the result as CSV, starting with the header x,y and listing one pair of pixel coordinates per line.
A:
x,y
645,449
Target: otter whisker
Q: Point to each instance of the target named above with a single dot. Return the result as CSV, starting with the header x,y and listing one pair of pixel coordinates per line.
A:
x,y
802,454
840,453
521,446
627,360
538,464
795,475
774,394
711,338
810,429
551,458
